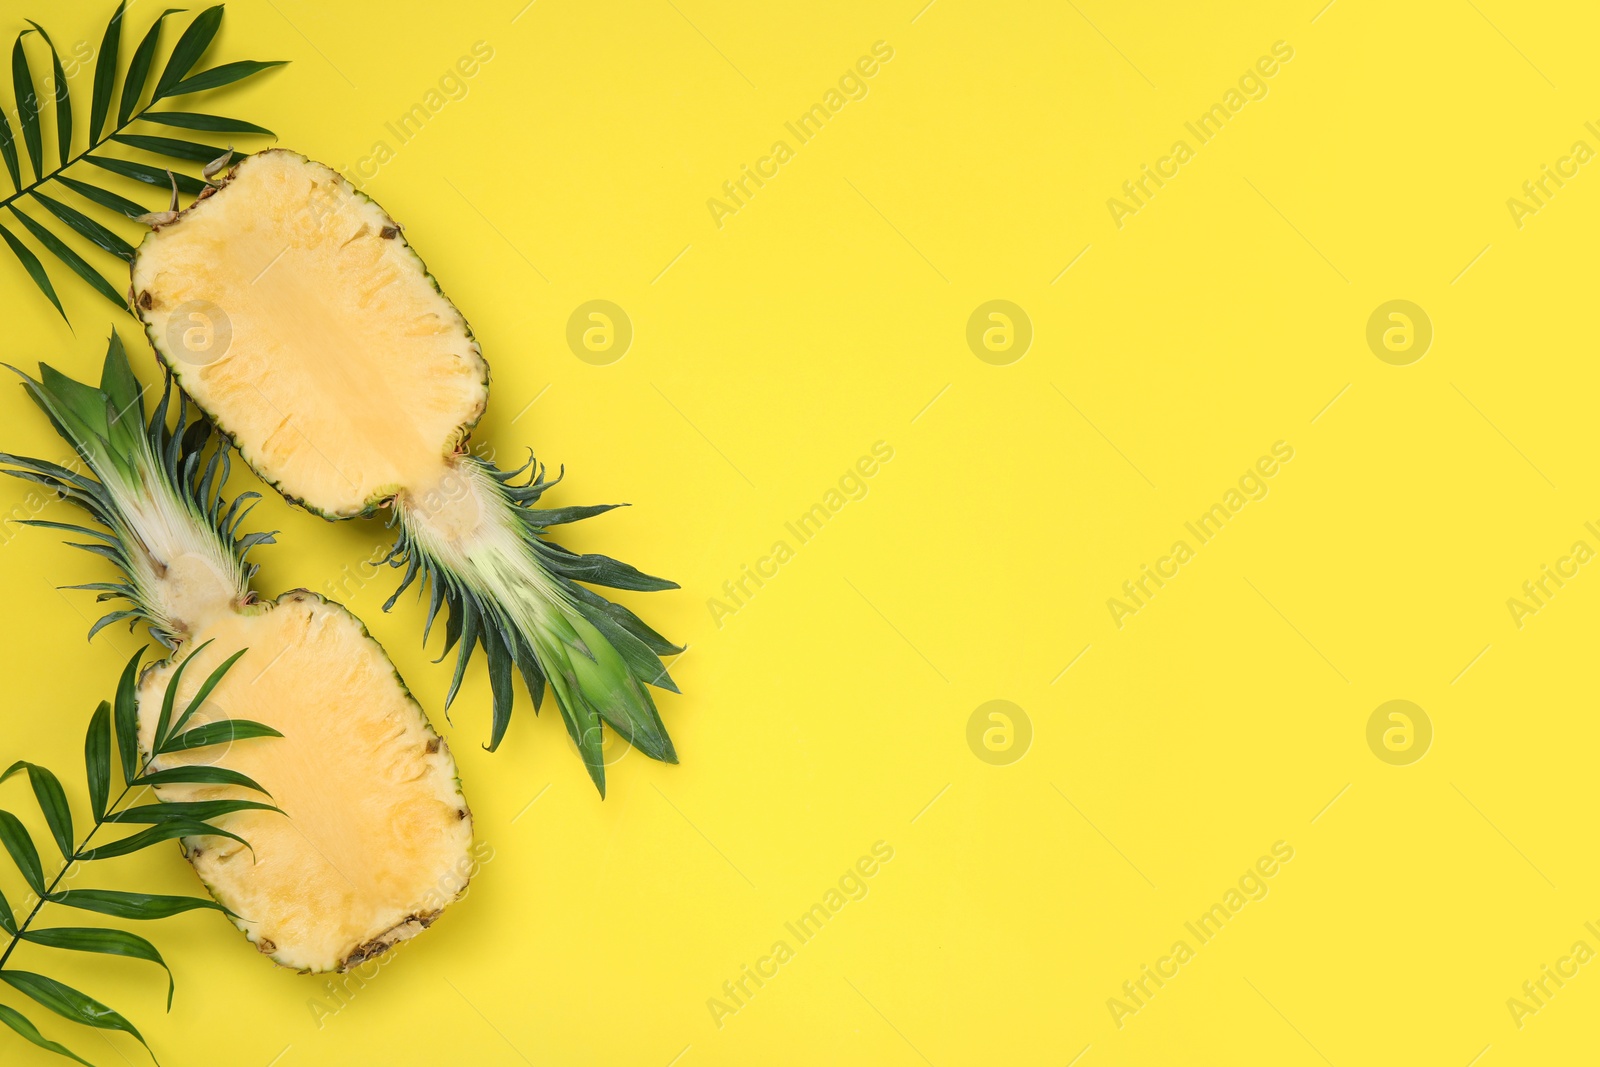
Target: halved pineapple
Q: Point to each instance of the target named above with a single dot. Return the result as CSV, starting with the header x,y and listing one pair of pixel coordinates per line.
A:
x,y
291,308
378,837
377,832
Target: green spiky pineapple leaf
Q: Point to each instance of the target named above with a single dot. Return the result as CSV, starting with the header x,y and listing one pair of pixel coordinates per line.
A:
x,y
123,444
49,165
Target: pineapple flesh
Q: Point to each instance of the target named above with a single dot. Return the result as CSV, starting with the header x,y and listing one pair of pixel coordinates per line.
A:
x,y
376,838
290,307
294,313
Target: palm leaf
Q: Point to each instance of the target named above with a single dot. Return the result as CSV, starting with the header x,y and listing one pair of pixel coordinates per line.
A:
x,y
195,810
189,120
76,263
170,146
139,67
104,198
106,942
217,77
35,269
186,53
199,774
19,1022
52,801
105,72
27,98
125,716
205,689
171,820
143,172
87,227
156,834
174,159
14,836
8,149
217,733
63,101
123,905
68,1002
97,760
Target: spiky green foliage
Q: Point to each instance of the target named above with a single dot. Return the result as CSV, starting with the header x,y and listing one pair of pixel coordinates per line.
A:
x,y
146,473
177,79
113,729
527,610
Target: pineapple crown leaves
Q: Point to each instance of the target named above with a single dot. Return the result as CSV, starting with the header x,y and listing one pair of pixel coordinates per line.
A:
x,y
597,656
177,78
134,460
113,726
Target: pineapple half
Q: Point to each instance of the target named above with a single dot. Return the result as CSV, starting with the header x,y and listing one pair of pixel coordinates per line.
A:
x,y
378,836
291,309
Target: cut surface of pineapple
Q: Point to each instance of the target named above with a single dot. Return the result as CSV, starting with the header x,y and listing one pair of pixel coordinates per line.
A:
x,y
288,306
377,836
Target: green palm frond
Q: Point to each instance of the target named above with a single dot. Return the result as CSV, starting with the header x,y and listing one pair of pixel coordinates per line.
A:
x,y
100,130
113,726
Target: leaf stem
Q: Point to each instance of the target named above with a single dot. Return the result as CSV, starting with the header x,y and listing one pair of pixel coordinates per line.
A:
x,y
77,855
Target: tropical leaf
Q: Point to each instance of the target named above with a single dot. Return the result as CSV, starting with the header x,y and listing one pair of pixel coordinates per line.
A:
x,y
188,120
164,831
217,733
52,801
86,226
123,905
171,147
126,712
14,836
186,53
62,101
19,1022
97,760
174,158
217,77
68,1002
75,262
118,390
169,699
192,810
106,942
205,689
143,172
27,100
105,72
139,68
8,149
105,198
35,269
200,774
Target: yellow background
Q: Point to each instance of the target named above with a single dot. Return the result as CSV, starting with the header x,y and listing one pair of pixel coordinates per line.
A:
x,y
831,711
